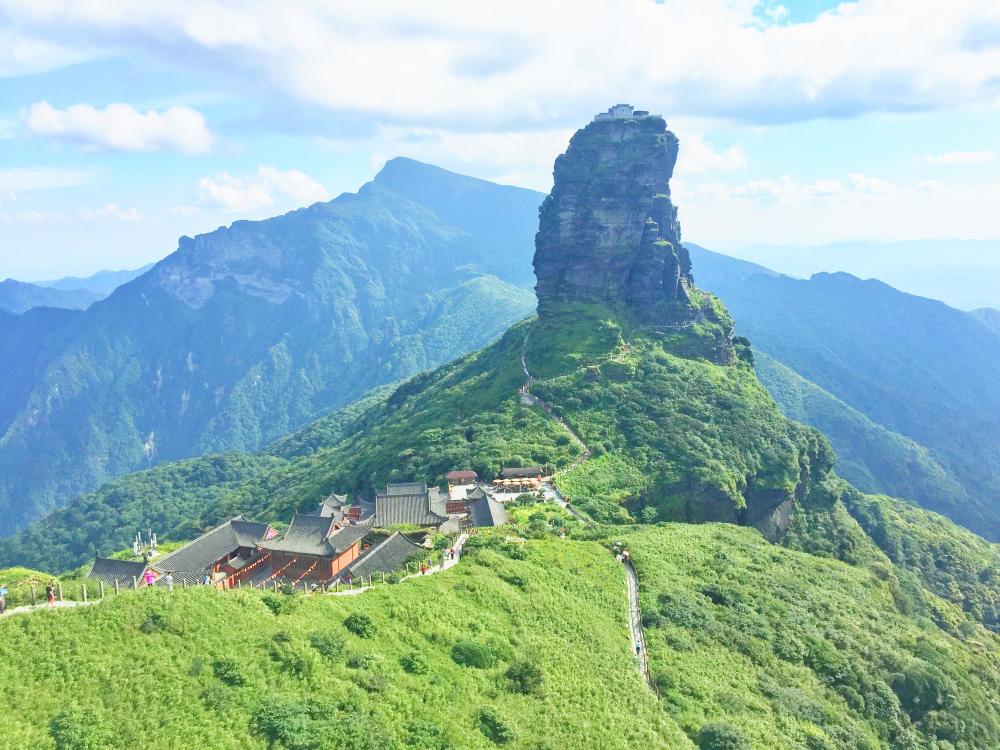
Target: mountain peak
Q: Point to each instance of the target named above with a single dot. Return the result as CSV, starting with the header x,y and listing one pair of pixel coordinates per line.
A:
x,y
608,232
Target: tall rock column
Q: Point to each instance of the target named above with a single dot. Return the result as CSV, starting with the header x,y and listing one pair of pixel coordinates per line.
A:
x,y
608,232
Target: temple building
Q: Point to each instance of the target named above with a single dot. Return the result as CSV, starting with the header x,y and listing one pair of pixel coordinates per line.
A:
x,y
314,548
224,554
126,574
411,504
387,556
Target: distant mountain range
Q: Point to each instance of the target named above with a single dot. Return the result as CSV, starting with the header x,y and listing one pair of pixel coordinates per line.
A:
x,y
248,332
69,293
102,282
962,273
905,387
17,297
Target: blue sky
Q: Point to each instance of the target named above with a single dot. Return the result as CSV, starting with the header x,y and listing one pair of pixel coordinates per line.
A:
x,y
124,125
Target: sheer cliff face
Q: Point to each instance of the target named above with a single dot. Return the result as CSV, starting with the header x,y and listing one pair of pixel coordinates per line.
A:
x,y
608,232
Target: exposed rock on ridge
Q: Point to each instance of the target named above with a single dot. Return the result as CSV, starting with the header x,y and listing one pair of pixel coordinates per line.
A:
x,y
608,232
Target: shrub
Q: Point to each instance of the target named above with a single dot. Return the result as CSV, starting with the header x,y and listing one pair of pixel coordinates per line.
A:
x,y
361,661
414,663
229,671
370,682
472,654
294,658
495,727
426,735
328,645
73,729
721,736
360,624
525,677
281,604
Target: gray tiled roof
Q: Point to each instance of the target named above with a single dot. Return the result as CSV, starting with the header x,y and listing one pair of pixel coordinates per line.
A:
x,y
405,488
220,542
316,536
385,557
331,506
485,511
108,571
412,509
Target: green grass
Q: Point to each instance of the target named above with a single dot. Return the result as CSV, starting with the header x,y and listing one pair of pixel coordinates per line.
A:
x,y
206,669
797,651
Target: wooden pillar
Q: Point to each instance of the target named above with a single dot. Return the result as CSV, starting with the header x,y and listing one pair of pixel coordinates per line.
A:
x,y
83,590
101,583
34,596
117,590
59,586
239,583
184,583
135,583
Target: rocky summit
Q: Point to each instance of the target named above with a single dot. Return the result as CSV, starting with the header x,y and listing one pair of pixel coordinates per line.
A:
x,y
608,232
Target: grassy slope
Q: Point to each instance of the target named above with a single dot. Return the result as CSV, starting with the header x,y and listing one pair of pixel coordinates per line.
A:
x,y
561,607
797,651
950,561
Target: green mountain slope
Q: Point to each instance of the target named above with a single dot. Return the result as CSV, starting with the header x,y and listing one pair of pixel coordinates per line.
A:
x,y
869,456
768,647
17,297
224,671
914,366
249,332
794,651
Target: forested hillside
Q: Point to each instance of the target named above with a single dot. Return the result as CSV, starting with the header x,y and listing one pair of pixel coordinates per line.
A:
x,y
249,332
913,366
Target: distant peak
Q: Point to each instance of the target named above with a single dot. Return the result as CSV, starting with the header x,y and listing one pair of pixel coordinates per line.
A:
x,y
403,166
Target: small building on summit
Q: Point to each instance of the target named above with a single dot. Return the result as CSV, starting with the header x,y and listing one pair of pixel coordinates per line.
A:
x,y
410,504
126,574
314,548
620,112
224,554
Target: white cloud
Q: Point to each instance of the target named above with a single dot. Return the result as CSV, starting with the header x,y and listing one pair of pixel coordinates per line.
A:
x,y
784,190
267,188
113,211
951,158
698,157
183,210
121,127
26,179
862,183
468,64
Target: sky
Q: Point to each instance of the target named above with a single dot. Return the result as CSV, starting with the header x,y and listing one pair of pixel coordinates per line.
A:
x,y
124,125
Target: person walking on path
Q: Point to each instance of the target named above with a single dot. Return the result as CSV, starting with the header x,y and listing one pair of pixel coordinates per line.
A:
x,y
169,580
3,601
149,578
207,580
423,570
50,593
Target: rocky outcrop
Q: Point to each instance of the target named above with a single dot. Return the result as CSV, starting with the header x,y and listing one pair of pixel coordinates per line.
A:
x,y
608,232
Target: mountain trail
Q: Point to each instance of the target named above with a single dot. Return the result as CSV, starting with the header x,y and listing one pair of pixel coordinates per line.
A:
x,y
631,576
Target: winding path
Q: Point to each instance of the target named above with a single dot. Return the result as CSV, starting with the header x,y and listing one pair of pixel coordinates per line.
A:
x,y
631,576
635,623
